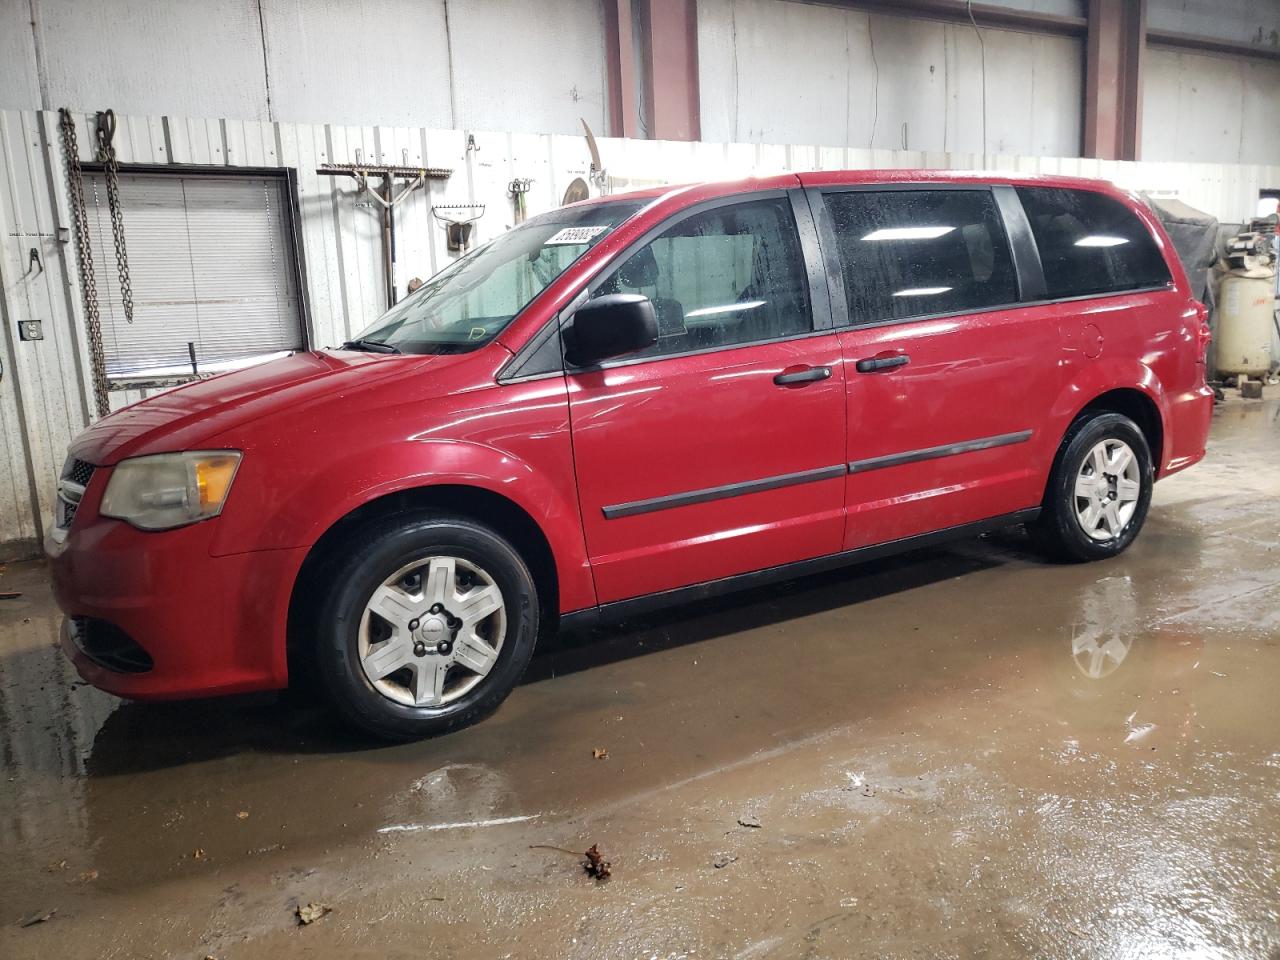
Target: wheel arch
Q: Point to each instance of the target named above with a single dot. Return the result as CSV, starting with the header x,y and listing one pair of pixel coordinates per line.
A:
x,y
500,513
1139,407
1118,385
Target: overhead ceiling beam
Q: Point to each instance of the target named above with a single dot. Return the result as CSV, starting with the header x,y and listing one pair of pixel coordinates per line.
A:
x,y
1212,45
957,11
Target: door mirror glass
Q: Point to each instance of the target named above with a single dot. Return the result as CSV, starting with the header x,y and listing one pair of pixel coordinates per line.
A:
x,y
610,326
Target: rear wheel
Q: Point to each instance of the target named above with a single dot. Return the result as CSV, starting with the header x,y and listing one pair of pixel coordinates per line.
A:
x,y
1099,491
426,627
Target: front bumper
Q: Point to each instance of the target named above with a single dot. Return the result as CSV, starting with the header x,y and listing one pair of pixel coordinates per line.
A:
x,y
210,625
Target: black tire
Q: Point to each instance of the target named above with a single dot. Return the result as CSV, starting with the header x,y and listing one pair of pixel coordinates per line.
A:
x,y
375,553
1058,530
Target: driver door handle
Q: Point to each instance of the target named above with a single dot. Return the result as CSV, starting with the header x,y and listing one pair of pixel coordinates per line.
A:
x,y
802,376
875,364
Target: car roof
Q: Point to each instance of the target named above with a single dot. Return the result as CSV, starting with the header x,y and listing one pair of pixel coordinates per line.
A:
x,y
827,178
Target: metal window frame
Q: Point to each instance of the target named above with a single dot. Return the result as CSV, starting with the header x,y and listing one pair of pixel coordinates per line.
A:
x,y
1029,259
288,176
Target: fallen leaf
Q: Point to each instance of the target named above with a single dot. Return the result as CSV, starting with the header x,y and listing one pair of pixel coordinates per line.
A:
x,y
88,875
242,815
312,912
595,864
724,860
32,920
749,820
600,753
198,854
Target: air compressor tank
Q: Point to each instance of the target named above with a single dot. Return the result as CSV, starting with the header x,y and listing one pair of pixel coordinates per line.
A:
x,y
1246,306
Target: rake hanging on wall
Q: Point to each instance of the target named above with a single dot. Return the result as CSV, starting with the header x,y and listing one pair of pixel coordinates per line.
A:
x,y
387,198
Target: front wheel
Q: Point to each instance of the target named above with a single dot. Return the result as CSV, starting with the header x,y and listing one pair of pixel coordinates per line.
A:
x,y
1099,490
427,626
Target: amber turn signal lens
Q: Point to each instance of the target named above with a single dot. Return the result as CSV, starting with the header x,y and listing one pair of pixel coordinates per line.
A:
x,y
213,479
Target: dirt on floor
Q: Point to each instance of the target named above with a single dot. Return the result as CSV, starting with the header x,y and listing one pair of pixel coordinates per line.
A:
x,y
961,752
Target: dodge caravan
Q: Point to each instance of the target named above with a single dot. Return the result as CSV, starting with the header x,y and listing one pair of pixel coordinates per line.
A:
x,y
631,401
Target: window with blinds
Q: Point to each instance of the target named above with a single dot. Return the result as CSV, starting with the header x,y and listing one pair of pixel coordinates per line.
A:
x,y
211,263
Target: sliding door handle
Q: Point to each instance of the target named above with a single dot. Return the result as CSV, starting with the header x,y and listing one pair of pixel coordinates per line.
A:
x,y
875,364
802,376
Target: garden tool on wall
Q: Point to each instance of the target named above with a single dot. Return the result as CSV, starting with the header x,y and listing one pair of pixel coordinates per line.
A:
x,y
579,189
458,219
518,188
598,175
387,198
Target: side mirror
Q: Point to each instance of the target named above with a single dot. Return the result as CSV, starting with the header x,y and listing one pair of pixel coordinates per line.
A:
x,y
610,326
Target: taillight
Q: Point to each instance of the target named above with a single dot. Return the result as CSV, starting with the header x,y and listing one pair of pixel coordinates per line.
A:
x,y
1203,334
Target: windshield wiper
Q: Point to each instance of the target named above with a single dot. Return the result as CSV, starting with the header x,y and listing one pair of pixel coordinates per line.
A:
x,y
371,346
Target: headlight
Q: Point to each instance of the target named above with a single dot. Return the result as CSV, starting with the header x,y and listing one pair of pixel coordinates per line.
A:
x,y
170,489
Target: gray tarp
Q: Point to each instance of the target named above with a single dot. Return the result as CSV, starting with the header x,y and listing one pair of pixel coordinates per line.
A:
x,y
1199,240
1195,237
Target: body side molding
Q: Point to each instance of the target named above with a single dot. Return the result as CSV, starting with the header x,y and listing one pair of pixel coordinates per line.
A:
x,y
632,606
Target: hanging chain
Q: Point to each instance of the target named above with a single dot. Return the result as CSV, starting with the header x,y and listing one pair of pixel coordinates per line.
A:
x,y
106,131
88,283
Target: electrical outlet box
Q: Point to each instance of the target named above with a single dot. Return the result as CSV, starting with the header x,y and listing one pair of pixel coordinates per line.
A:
x,y
30,330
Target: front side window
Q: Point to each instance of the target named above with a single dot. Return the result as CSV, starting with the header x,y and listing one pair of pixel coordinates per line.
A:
x,y
1090,243
729,275
471,301
914,253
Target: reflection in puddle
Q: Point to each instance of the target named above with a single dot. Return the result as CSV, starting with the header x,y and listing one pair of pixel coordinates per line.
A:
x,y
1103,635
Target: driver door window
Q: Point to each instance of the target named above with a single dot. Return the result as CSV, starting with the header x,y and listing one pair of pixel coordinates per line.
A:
x,y
730,275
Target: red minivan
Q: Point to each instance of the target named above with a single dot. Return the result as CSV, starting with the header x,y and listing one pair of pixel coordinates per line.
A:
x,y
631,401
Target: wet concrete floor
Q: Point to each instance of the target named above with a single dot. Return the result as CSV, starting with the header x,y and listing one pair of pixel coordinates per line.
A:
x,y
961,752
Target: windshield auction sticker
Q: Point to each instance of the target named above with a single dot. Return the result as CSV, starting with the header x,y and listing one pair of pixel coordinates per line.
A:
x,y
575,235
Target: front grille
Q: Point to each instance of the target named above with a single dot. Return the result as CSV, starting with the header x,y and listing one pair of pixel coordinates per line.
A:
x,y
75,478
108,646
66,512
77,471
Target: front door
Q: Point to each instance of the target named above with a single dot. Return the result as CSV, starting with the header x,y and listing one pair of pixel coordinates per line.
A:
x,y
719,450
950,379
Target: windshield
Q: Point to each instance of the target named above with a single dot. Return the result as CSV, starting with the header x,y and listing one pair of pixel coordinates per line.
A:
x,y
471,301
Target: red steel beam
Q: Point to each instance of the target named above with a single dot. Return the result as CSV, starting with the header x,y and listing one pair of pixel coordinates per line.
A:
x,y
957,11
1211,45
1113,79
670,51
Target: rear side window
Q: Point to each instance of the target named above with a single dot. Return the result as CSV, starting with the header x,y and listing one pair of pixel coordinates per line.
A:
x,y
730,275
913,253
1091,243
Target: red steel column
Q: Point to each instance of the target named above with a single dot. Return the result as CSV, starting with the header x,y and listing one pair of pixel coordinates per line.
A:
x,y
1113,79
671,74
620,65
666,55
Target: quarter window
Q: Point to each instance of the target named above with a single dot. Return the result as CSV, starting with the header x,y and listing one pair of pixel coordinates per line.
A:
x,y
730,275
912,253
1090,243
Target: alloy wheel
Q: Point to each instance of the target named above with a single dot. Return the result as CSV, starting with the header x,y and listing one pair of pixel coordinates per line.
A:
x,y
1107,489
432,631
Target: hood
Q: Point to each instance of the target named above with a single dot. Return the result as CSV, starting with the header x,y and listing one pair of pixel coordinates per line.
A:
x,y
183,418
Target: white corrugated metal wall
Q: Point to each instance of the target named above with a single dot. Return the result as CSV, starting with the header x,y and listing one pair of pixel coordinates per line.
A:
x,y
44,390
